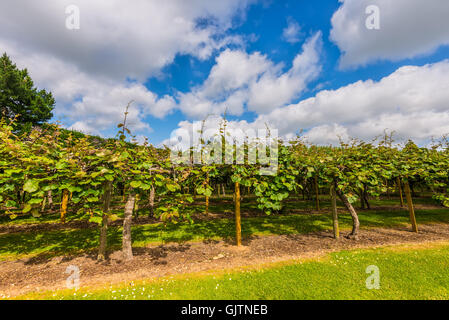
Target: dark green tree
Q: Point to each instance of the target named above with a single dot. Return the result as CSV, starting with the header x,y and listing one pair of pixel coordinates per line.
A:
x,y
20,99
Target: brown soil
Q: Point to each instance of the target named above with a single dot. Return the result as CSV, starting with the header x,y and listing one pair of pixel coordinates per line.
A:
x,y
35,274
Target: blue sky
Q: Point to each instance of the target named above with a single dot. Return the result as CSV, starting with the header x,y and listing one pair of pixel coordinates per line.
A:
x,y
311,65
266,21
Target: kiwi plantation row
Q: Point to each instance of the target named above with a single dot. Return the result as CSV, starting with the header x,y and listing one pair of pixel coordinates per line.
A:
x,y
51,166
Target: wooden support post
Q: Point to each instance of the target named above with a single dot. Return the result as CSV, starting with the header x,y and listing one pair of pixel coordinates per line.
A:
x,y
64,202
398,181
362,199
388,190
50,199
104,221
152,194
136,205
411,210
207,197
127,221
335,213
317,199
238,226
44,202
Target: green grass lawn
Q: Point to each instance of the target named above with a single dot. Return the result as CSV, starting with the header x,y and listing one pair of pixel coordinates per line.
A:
x,y
406,272
68,241
217,205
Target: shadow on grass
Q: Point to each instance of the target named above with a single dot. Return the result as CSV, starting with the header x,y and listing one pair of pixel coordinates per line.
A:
x,y
75,241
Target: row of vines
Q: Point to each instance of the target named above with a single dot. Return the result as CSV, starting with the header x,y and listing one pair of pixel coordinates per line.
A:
x,y
82,174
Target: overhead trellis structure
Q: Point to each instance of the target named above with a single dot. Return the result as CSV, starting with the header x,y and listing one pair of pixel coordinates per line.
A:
x,y
51,165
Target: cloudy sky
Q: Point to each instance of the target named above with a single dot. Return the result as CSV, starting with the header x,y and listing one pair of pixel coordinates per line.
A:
x,y
296,65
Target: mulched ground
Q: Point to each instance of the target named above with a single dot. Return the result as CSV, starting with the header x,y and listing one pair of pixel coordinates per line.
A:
x,y
27,275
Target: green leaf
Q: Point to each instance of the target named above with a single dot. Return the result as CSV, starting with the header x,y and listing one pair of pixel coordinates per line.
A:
x,y
92,199
60,165
200,190
11,203
10,172
136,184
31,186
35,201
446,203
74,189
27,208
171,187
96,219
208,192
145,186
113,217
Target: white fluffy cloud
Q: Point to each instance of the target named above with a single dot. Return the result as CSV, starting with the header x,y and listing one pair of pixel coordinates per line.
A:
x,y
239,79
292,33
88,70
116,34
327,134
408,28
95,71
227,84
90,103
188,132
413,101
274,90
